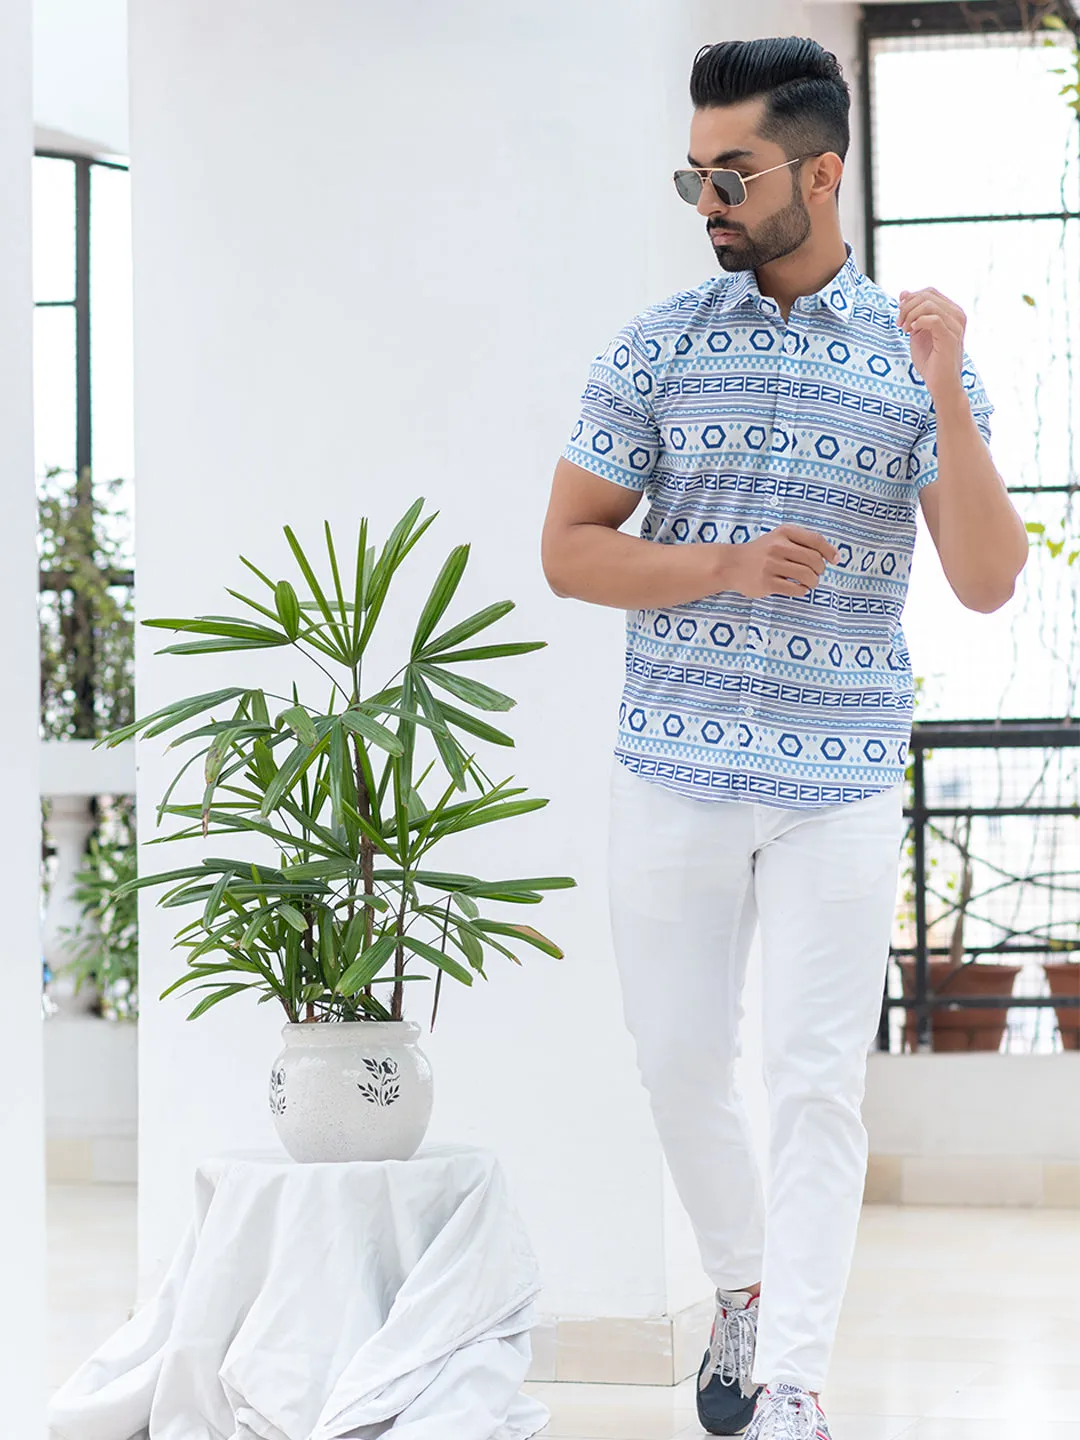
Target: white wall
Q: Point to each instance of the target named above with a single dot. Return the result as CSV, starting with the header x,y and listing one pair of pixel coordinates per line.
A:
x,y
80,74
375,249
91,1100
22,1195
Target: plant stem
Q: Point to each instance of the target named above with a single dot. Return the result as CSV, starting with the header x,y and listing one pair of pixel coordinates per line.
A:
x,y
399,960
367,848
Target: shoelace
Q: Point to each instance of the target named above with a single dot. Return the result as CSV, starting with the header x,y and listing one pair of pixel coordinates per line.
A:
x,y
789,1416
731,1349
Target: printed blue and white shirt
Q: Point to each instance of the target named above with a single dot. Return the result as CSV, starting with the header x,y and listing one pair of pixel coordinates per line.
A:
x,y
733,422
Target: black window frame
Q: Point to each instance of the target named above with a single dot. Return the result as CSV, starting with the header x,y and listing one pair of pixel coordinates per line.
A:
x,y
83,166
896,19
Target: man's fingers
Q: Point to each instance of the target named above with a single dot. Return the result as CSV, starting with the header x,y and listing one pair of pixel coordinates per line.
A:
x,y
807,574
929,302
930,307
812,541
793,554
787,587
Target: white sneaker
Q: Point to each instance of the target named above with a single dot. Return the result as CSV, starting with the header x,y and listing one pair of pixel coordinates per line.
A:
x,y
787,1412
725,1391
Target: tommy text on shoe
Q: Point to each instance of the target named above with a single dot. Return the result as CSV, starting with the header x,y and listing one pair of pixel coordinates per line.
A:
x,y
787,1412
725,1392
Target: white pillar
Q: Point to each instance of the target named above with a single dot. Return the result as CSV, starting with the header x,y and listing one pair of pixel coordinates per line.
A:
x,y
70,824
375,249
22,1189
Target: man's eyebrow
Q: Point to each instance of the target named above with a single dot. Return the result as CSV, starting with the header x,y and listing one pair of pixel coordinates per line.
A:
x,y
721,160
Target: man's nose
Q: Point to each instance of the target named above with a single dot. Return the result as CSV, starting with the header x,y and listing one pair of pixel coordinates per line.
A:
x,y
708,203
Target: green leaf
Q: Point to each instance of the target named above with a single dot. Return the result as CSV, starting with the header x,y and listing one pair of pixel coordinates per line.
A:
x,y
217,753
493,889
401,540
255,929
327,956
521,932
209,1001
471,691
467,905
364,556
213,904
447,746
371,730
316,590
471,948
468,628
353,939
1054,22
293,917
488,652
298,763
225,627
343,609
254,604
169,716
367,965
301,724
288,608
489,815
437,958
472,725
220,647
442,592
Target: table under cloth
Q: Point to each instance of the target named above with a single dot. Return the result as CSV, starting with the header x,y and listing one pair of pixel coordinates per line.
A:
x,y
318,1302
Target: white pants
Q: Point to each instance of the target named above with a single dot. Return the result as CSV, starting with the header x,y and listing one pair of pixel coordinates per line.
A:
x,y
689,881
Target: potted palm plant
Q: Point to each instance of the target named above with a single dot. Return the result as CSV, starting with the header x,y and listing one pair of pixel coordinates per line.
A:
x,y
350,798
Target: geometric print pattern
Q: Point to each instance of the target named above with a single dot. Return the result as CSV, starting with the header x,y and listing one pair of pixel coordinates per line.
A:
x,y
732,422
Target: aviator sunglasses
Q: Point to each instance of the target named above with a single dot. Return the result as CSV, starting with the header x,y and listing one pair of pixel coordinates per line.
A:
x,y
729,185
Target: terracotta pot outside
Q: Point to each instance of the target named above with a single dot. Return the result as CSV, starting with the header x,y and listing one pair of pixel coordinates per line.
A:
x,y
1064,979
962,1029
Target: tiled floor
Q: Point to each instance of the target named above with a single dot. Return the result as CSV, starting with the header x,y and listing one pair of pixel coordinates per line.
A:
x,y
959,1325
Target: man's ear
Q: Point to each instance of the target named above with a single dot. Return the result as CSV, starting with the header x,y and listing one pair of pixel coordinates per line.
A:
x,y
825,175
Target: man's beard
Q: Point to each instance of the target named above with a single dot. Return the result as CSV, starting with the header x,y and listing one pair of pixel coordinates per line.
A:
x,y
779,235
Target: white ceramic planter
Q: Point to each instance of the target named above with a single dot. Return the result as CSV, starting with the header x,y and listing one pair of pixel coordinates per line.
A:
x,y
359,1091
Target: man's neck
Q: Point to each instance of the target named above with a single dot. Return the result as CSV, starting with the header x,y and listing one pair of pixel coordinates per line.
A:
x,y
804,272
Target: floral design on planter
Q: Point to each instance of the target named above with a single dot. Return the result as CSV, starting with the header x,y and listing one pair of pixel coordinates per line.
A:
x,y
384,1087
278,1103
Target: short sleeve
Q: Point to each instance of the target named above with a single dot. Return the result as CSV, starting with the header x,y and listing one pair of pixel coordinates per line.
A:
x,y
922,462
617,436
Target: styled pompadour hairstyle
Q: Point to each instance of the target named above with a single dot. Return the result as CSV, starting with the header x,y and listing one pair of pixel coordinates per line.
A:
x,y
807,98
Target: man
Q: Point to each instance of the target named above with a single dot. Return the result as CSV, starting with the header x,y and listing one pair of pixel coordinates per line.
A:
x,y
784,420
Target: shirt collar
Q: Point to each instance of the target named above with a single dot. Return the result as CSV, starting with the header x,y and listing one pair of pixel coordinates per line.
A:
x,y
838,295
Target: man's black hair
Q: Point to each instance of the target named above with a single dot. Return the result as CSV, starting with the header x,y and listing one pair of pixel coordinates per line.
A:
x,y
807,99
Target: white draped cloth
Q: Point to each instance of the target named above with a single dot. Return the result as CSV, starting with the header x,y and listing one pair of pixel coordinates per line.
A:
x,y
319,1302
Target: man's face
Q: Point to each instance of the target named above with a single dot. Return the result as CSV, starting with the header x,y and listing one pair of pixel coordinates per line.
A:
x,y
774,220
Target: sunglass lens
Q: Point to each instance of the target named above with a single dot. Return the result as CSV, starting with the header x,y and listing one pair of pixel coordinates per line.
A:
x,y
688,184
729,186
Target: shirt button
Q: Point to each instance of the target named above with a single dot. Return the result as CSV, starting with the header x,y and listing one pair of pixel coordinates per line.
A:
x,y
791,344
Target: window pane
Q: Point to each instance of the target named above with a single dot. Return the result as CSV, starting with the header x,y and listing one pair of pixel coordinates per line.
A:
x,y
54,389
1025,658
54,229
1022,351
110,343
973,126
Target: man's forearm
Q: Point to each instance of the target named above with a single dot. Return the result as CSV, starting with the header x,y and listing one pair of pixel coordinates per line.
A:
x,y
606,567
982,541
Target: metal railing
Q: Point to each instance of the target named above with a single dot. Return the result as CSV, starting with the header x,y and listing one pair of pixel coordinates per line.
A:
x,y
1037,791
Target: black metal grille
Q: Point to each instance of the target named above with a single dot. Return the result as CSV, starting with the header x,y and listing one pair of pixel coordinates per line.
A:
x,y
1003,798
